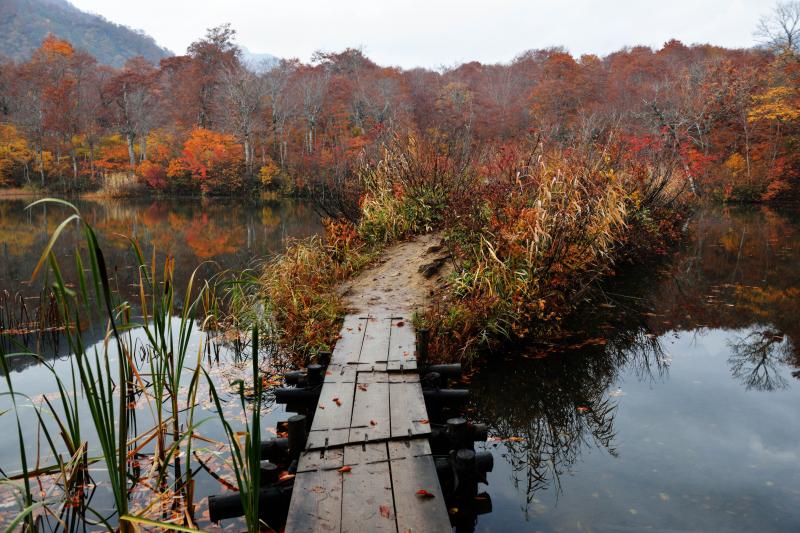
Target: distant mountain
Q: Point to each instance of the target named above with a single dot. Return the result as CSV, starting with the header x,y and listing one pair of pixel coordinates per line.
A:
x,y
25,23
257,62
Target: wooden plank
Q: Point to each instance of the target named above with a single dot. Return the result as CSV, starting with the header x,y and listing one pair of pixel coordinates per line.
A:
x,y
371,367
340,373
410,474
376,341
334,407
403,377
327,438
409,448
316,504
321,460
402,345
367,503
407,410
370,420
351,337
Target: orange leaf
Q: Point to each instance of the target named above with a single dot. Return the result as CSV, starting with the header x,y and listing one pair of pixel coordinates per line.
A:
x,y
344,469
422,493
424,421
385,511
373,423
400,324
337,401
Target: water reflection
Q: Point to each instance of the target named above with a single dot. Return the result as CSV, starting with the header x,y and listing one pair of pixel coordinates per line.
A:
x,y
230,233
210,235
692,340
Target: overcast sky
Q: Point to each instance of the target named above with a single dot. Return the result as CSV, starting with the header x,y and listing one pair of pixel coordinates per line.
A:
x,y
433,33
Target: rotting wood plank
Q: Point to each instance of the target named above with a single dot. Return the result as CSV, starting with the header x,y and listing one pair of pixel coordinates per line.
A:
x,y
321,460
334,407
351,338
377,401
316,504
340,373
408,413
413,469
367,501
327,438
375,348
402,346
371,418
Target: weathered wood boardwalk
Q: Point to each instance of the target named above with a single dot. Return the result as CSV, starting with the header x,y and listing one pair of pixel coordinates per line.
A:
x,y
367,454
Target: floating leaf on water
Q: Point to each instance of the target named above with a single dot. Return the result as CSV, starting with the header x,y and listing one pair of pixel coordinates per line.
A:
x,y
663,496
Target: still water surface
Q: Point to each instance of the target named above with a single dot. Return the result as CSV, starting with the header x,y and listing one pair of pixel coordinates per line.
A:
x,y
674,407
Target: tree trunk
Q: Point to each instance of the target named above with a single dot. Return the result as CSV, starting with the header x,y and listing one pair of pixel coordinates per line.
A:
x,y
40,150
131,152
91,159
248,156
74,164
143,148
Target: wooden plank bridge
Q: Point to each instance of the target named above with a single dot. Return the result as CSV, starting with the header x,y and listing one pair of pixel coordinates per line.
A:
x,y
367,456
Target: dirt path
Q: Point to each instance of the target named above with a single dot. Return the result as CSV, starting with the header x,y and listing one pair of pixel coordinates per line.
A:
x,y
402,279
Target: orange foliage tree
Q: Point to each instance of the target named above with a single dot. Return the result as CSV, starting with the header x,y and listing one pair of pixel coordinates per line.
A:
x,y
214,162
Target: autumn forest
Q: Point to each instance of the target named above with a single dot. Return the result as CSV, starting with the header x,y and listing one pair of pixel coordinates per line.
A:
x,y
556,293
206,123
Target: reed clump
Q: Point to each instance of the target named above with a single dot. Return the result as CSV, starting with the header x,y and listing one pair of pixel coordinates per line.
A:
x,y
128,398
526,240
299,287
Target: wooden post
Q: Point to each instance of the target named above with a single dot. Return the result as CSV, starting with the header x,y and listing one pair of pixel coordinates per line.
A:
x,y
297,435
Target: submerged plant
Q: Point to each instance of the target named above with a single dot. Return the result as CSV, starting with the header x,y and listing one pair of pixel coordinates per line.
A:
x,y
246,451
107,378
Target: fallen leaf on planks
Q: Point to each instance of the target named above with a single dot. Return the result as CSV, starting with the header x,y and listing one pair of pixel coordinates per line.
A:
x,y
422,493
344,469
385,511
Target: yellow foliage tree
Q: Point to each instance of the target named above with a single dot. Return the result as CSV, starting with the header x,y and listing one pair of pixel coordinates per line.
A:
x,y
268,172
14,152
779,103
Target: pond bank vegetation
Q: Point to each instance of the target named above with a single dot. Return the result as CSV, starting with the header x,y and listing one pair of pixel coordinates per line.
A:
x,y
526,237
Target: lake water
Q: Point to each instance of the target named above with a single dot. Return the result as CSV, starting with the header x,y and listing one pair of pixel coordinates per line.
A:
x,y
673,407
676,408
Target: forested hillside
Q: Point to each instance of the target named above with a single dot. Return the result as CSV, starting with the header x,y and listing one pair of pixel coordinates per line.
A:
x,y
727,119
25,23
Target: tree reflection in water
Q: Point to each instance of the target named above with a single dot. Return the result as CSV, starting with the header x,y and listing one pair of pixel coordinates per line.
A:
x,y
736,273
756,359
554,405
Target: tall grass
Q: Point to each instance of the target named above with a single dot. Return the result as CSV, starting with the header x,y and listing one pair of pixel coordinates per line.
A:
x,y
529,229
107,378
299,287
246,452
